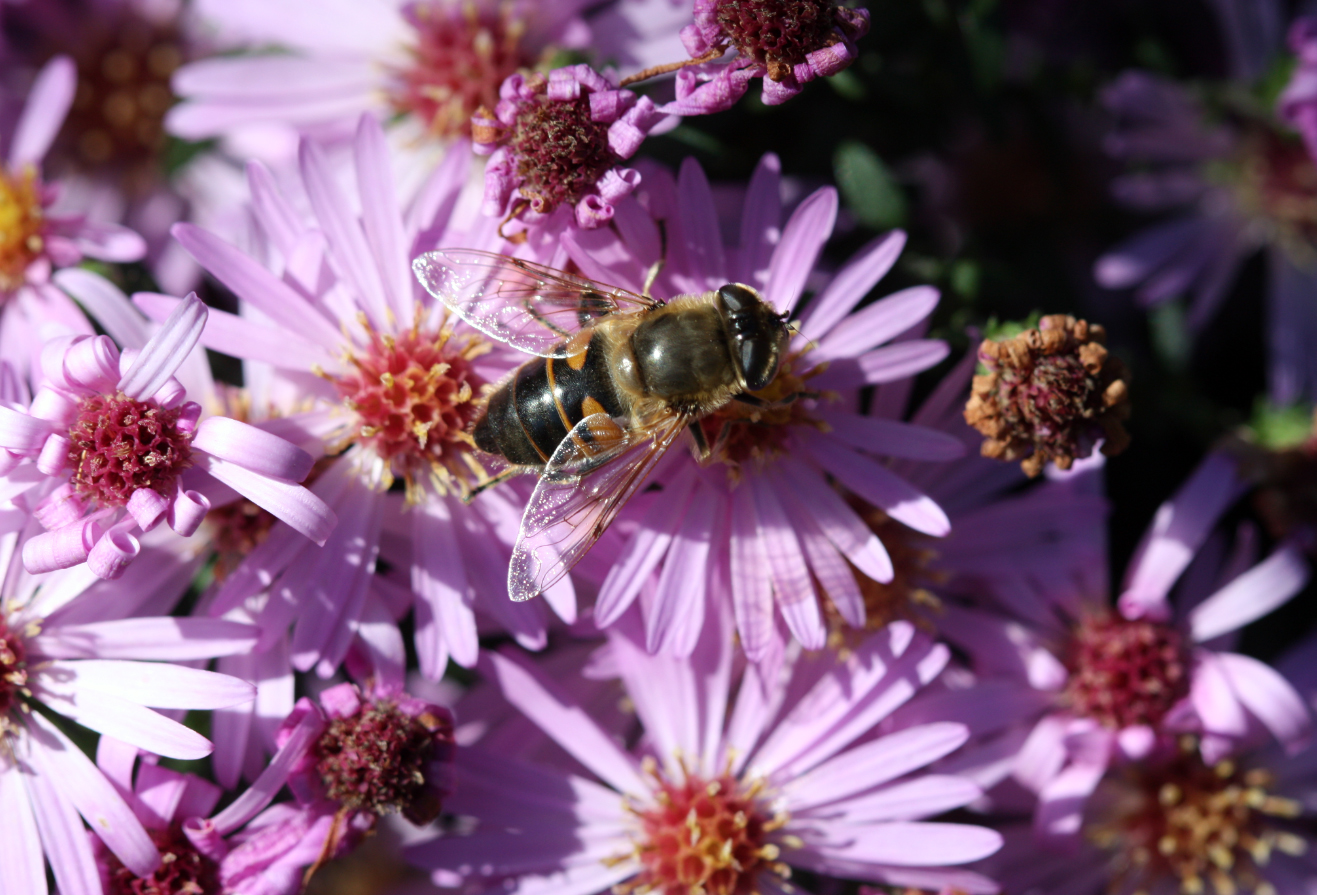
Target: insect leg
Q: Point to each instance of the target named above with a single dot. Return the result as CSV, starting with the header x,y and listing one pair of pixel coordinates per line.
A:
x,y
491,482
654,270
701,443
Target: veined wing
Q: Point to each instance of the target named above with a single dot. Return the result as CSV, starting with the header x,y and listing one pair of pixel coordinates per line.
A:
x,y
590,477
531,307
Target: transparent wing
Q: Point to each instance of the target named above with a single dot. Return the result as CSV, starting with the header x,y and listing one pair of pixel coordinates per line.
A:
x,y
531,307
590,477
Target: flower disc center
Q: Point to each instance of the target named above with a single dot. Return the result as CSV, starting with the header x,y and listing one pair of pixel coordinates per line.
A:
x,y
20,225
561,151
1125,672
182,871
740,433
706,836
120,445
462,53
414,395
1196,827
13,670
778,34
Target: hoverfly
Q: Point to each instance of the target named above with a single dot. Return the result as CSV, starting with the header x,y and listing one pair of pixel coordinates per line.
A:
x,y
616,378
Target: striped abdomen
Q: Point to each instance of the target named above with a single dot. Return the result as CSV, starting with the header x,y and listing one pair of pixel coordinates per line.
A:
x,y
526,419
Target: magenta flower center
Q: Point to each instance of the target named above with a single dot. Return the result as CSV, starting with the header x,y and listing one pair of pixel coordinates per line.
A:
x,y
1277,180
21,220
561,151
1049,395
778,34
120,445
706,836
380,761
1183,826
414,396
117,119
463,52
182,871
13,671
1125,672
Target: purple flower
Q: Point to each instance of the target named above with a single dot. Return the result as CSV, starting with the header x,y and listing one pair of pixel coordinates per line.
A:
x,y
1297,103
764,511
721,794
91,672
391,384
35,238
1231,187
558,140
786,42
349,761
1098,685
118,434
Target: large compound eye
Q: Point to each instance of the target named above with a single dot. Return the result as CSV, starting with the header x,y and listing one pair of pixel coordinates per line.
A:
x,y
755,333
737,299
759,361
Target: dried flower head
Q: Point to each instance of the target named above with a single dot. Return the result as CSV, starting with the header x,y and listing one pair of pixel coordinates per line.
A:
x,y
1049,394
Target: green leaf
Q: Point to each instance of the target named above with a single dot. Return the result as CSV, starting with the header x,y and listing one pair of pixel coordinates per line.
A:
x,y
868,187
1279,428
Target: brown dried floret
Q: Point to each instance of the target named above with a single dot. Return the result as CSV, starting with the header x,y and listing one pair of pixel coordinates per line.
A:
x,y
1049,394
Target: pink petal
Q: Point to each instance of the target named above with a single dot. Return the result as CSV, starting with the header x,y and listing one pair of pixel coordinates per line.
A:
x,y
22,861
881,487
239,337
109,242
21,432
1213,698
760,218
673,623
242,809
793,589
1266,586
444,619
567,724
254,449
381,217
891,363
851,284
168,639
1043,754
872,764
302,510
156,685
1270,697
166,350
72,775
106,303
752,590
43,114
880,322
106,713
892,438
914,844
112,554
62,548
842,526
187,511
808,229
697,249
925,796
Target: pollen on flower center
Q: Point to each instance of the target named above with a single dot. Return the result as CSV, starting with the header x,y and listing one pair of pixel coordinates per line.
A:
x,y
13,671
1049,394
740,433
561,150
778,34
117,118
462,53
182,871
376,760
20,225
709,836
1192,826
414,396
1125,672
120,445
1275,179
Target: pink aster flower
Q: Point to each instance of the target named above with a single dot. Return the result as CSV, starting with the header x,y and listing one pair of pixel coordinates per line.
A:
x,y
722,794
1297,103
765,510
788,43
1100,685
391,384
558,140
92,403
37,236
1229,185
349,761
98,674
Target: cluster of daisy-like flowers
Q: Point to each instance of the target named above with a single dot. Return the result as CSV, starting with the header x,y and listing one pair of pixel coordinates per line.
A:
x,y
839,645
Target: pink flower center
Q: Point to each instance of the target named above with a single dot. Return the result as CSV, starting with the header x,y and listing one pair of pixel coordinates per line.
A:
x,y
1194,827
117,119
706,836
1125,672
1050,393
182,871
463,53
778,34
120,445
561,151
13,671
21,220
414,396
1276,180
380,761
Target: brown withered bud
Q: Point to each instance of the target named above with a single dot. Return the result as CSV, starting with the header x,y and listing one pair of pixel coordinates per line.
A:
x,y
1049,394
